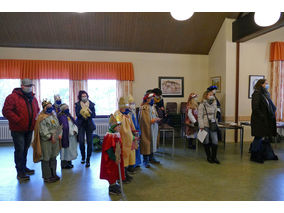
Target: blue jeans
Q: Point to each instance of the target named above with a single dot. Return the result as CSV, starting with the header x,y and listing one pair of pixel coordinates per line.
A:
x,y
213,136
22,142
82,132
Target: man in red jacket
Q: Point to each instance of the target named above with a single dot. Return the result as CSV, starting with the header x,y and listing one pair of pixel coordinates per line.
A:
x,y
21,109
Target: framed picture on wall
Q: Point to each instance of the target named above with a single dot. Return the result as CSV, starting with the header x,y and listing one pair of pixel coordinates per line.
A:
x,y
171,86
252,81
216,81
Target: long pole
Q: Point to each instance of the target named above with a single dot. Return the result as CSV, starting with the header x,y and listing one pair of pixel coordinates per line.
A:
x,y
237,89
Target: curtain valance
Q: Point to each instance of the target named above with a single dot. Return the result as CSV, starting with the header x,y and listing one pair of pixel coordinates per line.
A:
x,y
277,51
73,70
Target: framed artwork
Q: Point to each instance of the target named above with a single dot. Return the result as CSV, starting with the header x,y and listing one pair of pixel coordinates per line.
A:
x,y
252,81
171,86
216,81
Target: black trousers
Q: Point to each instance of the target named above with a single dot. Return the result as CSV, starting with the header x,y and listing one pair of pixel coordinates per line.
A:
x,y
89,135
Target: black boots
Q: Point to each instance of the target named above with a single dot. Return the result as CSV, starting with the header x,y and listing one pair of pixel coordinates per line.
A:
x,y
66,164
152,159
190,143
214,154
208,153
211,157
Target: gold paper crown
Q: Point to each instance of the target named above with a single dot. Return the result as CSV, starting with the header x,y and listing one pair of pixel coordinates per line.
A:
x,y
122,102
130,99
114,120
45,102
57,97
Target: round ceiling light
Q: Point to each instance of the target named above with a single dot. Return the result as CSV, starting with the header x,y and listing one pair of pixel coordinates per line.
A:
x,y
181,15
265,19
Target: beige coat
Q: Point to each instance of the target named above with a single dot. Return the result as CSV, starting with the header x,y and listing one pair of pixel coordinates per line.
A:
x,y
202,117
145,126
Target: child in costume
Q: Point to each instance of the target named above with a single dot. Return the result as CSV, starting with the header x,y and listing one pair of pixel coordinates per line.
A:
x,y
112,156
134,118
57,103
48,132
191,117
148,121
69,137
127,137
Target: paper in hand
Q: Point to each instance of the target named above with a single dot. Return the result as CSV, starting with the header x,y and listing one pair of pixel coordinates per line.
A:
x,y
201,135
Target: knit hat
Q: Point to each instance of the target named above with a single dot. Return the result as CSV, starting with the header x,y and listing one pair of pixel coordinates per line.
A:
x,y
122,103
212,88
45,102
27,82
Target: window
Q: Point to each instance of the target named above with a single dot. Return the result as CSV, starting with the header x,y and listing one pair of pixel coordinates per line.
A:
x,y
49,88
103,94
7,86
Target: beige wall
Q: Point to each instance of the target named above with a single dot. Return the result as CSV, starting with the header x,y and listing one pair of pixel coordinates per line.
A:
x,y
222,58
147,66
254,60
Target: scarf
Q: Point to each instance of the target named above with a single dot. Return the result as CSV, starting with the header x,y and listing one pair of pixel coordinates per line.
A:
x,y
85,106
36,142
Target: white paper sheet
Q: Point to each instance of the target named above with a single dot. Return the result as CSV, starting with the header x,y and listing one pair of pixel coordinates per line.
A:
x,y
201,135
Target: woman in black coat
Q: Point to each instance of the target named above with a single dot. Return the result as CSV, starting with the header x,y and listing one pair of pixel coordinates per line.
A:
x,y
263,123
85,112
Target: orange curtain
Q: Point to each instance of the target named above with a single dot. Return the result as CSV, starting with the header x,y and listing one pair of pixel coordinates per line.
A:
x,y
74,88
277,87
277,51
73,70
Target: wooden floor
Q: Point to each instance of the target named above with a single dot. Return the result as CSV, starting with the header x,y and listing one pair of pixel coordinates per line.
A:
x,y
185,177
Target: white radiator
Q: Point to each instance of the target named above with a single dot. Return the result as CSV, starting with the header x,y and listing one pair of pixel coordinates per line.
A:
x,y
5,133
102,128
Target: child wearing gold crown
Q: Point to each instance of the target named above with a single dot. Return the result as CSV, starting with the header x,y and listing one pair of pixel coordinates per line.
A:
x,y
111,159
46,142
127,137
134,118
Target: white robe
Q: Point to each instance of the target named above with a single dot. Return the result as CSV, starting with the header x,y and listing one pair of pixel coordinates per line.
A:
x,y
154,129
70,153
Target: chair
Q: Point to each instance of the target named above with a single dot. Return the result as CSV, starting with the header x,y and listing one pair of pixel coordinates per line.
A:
x,y
182,112
171,107
183,107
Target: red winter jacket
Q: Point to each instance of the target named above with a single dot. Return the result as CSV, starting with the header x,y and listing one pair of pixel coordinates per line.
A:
x,y
20,113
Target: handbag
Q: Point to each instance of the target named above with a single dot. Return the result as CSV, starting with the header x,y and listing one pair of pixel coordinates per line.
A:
x,y
212,125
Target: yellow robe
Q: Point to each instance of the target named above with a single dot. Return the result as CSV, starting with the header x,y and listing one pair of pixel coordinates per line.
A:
x,y
126,135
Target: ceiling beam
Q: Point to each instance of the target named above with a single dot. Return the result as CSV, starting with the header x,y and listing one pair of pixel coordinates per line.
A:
x,y
244,28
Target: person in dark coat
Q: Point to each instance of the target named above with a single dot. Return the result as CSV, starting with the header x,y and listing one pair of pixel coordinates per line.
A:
x,y
21,109
263,123
85,112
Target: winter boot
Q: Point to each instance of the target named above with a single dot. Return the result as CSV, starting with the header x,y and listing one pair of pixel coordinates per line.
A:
x,y
208,153
214,153
146,161
190,143
153,160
